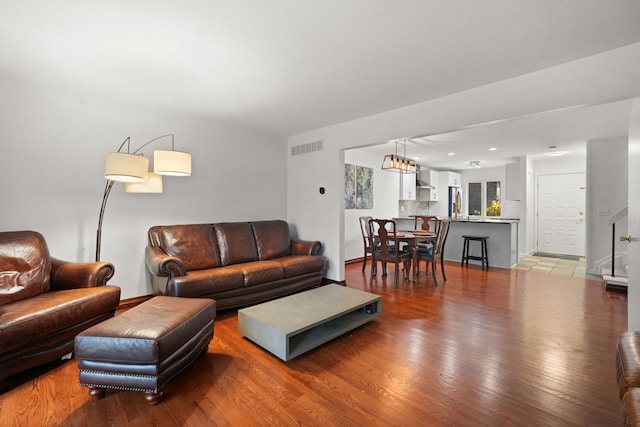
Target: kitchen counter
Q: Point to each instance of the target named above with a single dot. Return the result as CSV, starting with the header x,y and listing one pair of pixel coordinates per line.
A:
x,y
410,219
502,244
488,220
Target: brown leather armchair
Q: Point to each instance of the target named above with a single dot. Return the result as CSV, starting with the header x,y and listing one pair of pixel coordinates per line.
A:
x,y
46,302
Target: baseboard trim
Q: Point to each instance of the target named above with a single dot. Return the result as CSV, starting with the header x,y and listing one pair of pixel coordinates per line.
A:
x,y
327,281
128,303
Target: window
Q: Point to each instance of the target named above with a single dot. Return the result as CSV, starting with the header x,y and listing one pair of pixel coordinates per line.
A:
x,y
484,198
475,198
493,198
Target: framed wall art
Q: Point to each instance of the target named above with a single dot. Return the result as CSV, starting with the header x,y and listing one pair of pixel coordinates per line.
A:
x,y
358,187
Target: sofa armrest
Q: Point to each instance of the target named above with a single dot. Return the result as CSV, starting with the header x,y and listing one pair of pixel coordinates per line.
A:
x,y
161,264
299,247
73,275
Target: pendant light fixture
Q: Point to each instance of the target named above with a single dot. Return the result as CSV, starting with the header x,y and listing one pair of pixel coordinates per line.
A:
x,y
397,163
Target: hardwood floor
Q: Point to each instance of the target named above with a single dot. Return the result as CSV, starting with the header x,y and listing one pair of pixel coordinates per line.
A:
x,y
486,348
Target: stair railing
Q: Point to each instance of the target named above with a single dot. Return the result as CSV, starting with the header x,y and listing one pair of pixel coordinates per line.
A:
x,y
612,221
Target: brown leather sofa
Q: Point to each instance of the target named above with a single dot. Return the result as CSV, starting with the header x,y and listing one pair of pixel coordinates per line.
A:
x,y
46,302
234,263
628,376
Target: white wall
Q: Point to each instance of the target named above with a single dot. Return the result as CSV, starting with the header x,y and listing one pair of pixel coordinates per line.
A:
x,y
386,192
607,190
579,82
526,233
575,163
52,160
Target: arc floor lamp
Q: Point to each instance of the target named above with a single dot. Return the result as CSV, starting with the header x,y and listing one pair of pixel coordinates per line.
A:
x,y
132,168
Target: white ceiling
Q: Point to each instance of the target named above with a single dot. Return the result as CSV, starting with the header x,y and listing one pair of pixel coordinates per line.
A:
x,y
567,130
288,66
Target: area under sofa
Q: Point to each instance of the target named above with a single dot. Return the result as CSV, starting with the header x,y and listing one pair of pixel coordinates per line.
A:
x,y
235,263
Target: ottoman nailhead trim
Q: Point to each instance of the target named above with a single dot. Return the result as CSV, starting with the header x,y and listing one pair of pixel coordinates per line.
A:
x,y
118,387
129,375
115,387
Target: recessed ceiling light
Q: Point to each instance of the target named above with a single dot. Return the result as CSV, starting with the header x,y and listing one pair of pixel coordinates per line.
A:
x,y
492,149
554,152
451,154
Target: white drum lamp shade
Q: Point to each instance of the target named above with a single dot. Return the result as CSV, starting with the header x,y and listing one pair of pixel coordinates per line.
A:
x,y
153,184
170,162
132,168
124,167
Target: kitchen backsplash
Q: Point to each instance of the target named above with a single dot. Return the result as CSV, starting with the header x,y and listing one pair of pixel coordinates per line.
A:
x,y
412,207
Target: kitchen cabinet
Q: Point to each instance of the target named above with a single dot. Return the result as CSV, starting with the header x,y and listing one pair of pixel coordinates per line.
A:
x,y
434,179
512,174
408,186
451,179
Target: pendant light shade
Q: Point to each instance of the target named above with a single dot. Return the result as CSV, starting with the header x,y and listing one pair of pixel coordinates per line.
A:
x,y
153,184
170,162
125,167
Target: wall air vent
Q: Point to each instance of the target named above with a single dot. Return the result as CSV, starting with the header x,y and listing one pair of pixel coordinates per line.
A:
x,y
306,148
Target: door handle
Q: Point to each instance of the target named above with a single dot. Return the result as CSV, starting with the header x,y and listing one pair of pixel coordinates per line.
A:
x,y
625,238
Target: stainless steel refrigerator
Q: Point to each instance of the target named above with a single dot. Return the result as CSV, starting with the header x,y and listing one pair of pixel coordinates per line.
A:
x,y
455,201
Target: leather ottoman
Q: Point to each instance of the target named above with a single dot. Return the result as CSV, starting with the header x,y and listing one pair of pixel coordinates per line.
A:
x,y
144,347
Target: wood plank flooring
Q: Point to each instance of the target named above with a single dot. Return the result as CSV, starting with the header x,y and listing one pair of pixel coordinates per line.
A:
x,y
486,348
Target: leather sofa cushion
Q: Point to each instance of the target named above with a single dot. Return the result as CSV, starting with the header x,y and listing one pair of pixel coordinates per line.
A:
x,y
148,333
258,272
298,265
25,266
202,282
272,238
27,322
236,242
194,244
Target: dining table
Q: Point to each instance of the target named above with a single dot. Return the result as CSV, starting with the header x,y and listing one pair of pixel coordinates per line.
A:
x,y
413,238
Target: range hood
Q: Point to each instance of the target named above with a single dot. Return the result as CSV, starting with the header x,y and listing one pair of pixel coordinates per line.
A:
x,y
422,184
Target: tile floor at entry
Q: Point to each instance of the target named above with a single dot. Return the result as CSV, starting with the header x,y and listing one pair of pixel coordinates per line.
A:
x,y
556,266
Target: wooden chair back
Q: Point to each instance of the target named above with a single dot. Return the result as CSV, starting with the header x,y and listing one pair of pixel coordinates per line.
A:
x,y
388,248
367,238
423,222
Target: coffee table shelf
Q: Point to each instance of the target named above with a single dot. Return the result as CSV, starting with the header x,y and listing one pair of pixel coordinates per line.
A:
x,y
290,326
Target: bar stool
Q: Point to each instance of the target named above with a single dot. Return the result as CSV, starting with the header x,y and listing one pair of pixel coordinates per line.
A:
x,y
465,250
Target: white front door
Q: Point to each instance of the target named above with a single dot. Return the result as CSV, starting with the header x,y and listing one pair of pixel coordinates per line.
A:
x,y
561,214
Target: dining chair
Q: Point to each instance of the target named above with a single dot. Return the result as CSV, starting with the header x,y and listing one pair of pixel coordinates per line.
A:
x,y
388,249
423,222
368,240
437,250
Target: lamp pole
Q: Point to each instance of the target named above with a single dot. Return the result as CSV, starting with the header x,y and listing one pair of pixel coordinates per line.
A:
x,y
105,196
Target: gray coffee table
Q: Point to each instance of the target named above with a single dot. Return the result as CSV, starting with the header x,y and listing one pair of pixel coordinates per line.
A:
x,y
292,325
